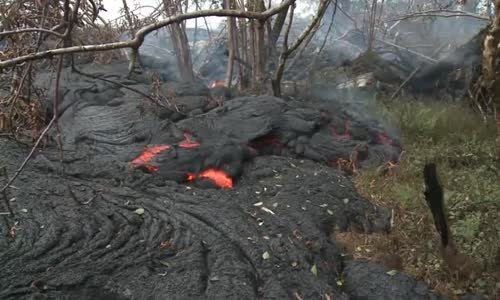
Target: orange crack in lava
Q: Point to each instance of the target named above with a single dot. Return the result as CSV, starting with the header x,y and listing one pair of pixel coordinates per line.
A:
x,y
147,156
347,131
217,83
220,177
383,138
189,141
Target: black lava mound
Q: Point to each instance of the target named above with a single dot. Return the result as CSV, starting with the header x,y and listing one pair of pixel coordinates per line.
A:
x,y
178,198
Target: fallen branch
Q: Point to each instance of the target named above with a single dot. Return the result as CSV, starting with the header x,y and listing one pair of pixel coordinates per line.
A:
x,y
24,30
441,13
140,35
44,132
120,85
425,57
4,192
33,149
413,74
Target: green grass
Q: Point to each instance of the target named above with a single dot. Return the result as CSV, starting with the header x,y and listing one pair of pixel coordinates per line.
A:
x,y
462,145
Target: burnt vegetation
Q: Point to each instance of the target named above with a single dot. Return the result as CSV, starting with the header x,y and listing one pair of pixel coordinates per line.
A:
x,y
153,152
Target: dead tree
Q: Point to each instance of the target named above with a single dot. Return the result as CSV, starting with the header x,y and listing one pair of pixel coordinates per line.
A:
x,y
259,68
232,43
491,67
179,40
287,51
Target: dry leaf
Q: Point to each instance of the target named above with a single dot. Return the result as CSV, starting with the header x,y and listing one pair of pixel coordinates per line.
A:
x,y
267,210
314,270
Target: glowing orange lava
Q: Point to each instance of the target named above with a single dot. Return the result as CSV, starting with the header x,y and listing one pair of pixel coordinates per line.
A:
x,y
189,141
383,138
147,156
265,142
220,177
191,176
217,83
347,131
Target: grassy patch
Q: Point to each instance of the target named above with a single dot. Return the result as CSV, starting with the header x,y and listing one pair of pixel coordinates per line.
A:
x,y
461,143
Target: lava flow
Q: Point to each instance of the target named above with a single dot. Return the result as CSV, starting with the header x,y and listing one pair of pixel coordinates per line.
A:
x,y
265,142
147,156
217,83
347,131
383,138
189,141
219,177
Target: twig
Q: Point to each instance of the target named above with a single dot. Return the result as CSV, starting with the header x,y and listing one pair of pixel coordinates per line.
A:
x,y
324,40
42,135
329,28
33,149
121,85
4,192
24,30
439,13
405,82
321,11
287,51
427,58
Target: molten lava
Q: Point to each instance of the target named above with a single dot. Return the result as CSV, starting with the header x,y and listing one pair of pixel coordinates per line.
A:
x,y
217,83
266,141
383,138
147,156
219,177
347,131
189,141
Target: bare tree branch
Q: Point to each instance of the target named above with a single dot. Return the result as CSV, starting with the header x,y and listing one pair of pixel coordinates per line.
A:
x,y
19,31
4,192
140,35
444,13
321,11
427,58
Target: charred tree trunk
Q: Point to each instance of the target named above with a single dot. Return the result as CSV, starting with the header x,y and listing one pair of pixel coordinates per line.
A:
x,y
132,28
252,48
180,42
260,49
232,32
278,74
245,56
287,51
260,55
491,66
278,25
